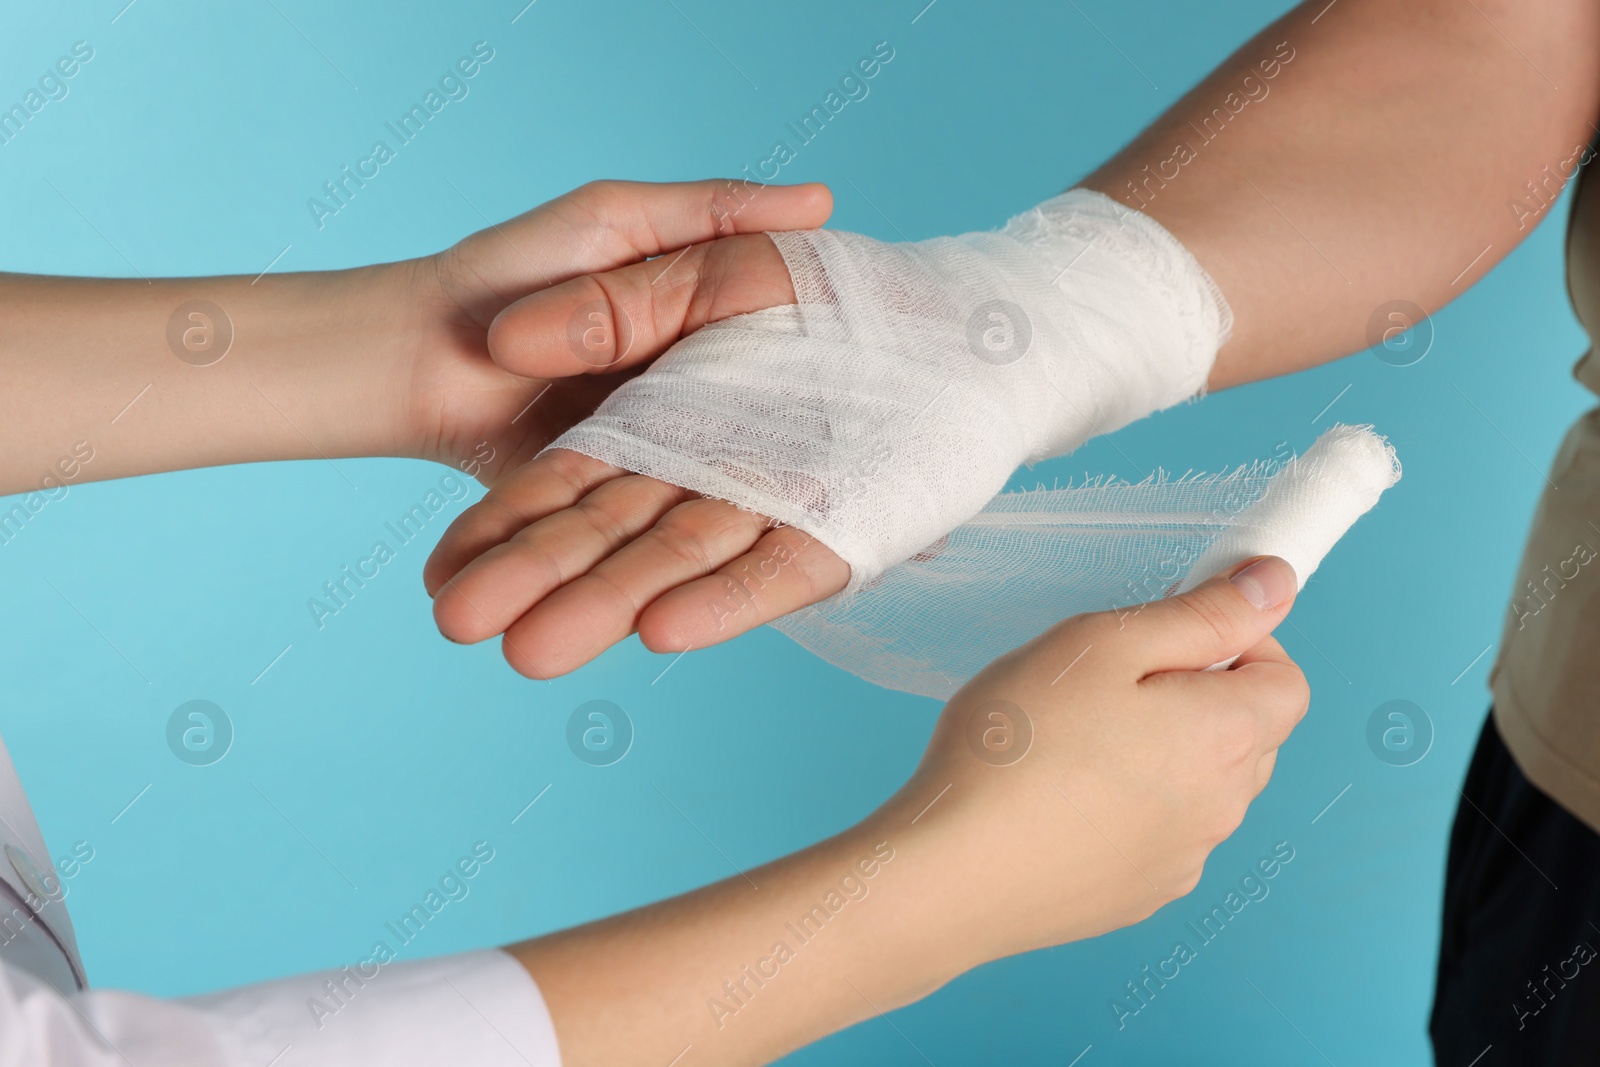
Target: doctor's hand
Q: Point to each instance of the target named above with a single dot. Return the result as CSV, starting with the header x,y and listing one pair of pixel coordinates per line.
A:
x,y
1089,773
385,360
489,415
1073,787
567,555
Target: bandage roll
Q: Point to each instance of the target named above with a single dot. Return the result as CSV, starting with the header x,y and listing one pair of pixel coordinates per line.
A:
x,y
1031,559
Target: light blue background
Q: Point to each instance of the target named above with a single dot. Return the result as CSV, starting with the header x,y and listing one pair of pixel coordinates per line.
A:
x,y
191,143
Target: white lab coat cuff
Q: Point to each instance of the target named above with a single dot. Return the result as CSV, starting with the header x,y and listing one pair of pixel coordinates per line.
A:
x,y
476,1008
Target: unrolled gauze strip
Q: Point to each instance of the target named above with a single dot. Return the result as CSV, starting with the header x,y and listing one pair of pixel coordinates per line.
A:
x,y
1030,559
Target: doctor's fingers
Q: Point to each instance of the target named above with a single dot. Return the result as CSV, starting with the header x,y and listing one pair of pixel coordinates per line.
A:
x,y
606,224
602,323
633,219
1261,698
1264,768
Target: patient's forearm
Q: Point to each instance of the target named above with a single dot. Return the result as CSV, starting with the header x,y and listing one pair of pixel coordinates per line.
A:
x,y
97,386
1383,160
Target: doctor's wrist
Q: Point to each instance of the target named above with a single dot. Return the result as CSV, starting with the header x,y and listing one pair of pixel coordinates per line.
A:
x,y
927,927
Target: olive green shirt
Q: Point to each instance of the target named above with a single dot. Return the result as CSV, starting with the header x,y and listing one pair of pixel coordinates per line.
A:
x,y
1546,681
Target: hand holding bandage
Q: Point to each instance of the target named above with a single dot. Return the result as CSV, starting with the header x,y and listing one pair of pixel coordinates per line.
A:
x,y
882,413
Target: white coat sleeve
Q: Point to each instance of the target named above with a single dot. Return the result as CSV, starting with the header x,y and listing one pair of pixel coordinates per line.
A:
x,y
476,1008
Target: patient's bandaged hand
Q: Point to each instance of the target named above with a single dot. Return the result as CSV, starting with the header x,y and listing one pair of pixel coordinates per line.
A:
x,y
911,380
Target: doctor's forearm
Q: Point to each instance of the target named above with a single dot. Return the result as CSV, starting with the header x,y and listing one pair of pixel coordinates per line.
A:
x,y
753,967
1361,152
106,378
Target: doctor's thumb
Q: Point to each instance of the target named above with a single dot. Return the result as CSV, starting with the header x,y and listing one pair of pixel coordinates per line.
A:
x,y
1213,623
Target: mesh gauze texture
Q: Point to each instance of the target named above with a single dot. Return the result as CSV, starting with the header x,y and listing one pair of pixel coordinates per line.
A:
x,y
885,411
1031,559
893,403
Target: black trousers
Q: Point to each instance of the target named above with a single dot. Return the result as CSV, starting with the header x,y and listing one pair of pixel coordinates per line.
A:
x,y
1519,959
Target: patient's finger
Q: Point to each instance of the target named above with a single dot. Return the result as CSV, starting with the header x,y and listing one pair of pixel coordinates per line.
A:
x,y
589,614
606,322
786,571
542,486
496,589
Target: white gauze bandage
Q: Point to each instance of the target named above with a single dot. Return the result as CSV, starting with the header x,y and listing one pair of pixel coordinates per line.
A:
x,y
1031,559
893,403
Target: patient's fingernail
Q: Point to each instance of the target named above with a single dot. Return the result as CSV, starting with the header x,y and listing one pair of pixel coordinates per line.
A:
x,y
1267,582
